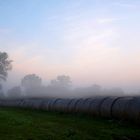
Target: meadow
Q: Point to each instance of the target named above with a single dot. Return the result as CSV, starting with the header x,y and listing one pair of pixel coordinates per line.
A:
x,y
28,124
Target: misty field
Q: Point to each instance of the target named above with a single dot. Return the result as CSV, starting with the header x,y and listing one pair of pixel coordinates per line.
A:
x,y
25,124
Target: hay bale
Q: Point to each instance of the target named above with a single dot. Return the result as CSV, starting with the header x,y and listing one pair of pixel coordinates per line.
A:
x,y
106,106
62,105
72,105
95,105
120,108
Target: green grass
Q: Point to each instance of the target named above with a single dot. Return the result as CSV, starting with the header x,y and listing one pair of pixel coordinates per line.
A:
x,y
23,124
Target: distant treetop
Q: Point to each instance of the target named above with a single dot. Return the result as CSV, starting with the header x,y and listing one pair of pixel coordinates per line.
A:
x,y
31,81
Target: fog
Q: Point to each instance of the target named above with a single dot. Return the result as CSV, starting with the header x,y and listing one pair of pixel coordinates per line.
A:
x,y
62,86
32,86
69,48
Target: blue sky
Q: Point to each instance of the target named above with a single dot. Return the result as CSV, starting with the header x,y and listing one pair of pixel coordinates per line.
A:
x,y
94,41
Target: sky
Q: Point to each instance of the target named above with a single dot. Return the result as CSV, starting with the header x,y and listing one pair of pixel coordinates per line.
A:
x,y
92,41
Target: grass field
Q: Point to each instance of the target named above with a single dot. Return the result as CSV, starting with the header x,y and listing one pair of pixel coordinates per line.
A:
x,y
22,124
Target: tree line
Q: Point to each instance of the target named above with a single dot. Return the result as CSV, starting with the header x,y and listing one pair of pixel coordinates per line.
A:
x,y
31,85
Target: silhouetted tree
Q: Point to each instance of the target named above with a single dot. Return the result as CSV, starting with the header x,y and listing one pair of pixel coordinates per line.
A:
x,y
5,65
0,87
1,92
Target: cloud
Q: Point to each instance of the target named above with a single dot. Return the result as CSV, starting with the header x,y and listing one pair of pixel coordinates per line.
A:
x,y
83,46
106,66
107,20
125,5
93,62
4,31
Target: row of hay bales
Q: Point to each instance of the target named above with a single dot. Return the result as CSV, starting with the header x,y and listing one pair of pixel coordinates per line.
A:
x,y
125,108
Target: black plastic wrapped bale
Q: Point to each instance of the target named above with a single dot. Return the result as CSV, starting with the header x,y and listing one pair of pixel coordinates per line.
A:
x,y
94,107
15,103
106,106
80,106
51,104
36,103
72,105
61,105
118,107
27,103
45,103
133,109
8,103
86,105
3,103
21,103
121,107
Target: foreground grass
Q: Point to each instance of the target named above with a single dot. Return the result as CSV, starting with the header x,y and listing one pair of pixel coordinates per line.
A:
x,y
21,124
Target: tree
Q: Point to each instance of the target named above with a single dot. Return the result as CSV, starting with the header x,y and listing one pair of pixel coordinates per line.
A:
x,y
62,81
5,65
0,87
61,86
1,92
31,83
93,90
114,91
14,92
